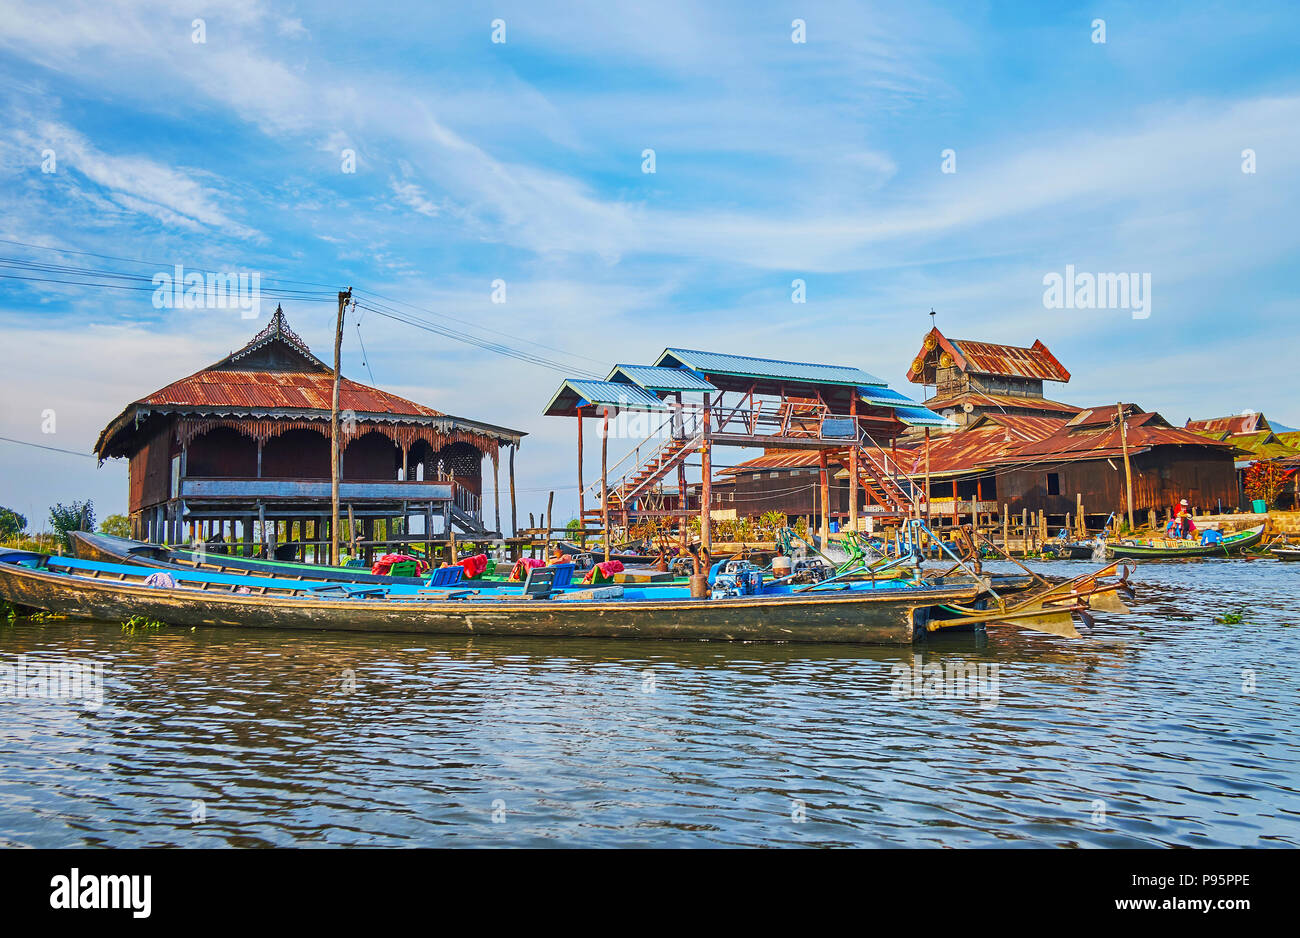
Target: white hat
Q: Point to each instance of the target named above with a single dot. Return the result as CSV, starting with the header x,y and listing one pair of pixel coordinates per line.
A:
x,y
1183,502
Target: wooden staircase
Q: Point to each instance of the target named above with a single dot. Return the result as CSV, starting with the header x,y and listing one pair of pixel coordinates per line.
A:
x,y
640,478
879,478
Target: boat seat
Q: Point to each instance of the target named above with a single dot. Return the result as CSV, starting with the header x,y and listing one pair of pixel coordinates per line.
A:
x,y
540,582
404,568
563,575
446,576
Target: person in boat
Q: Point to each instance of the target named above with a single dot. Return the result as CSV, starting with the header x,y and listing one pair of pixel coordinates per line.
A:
x,y
1182,515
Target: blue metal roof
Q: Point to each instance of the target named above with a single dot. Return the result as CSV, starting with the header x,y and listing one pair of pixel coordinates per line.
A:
x,y
922,417
583,392
720,363
654,378
886,397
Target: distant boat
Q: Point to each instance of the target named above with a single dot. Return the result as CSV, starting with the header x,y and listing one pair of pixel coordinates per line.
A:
x,y
1158,548
1285,553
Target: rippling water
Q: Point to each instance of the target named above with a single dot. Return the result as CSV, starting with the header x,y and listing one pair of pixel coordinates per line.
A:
x,y
1161,728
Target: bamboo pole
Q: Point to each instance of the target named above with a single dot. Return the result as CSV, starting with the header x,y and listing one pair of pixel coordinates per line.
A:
x,y
344,296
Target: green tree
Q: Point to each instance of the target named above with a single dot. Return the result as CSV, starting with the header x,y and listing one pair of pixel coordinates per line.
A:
x,y
75,516
11,523
116,525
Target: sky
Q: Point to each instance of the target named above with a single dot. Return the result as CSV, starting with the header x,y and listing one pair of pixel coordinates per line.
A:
x,y
900,158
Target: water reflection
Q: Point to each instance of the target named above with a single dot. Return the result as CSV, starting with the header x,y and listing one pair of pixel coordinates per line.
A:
x,y
1160,728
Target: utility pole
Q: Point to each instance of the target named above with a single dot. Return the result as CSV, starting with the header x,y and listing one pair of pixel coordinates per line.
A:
x,y
344,297
1128,469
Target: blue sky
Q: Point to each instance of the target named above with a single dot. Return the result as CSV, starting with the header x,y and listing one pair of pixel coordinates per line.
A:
x,y
522,161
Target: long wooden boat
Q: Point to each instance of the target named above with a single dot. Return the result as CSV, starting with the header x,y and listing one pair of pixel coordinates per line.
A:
x,y
881,612
1285,553
107,548
1160,548
114,593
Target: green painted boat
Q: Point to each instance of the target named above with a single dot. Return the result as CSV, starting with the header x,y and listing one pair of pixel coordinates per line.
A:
x,y
1161,548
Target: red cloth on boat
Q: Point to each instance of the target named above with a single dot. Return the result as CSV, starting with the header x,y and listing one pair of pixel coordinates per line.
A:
x,y
474,566
606,571
520,570
385,563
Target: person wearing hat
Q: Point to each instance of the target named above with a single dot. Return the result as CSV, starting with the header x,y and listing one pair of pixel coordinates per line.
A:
x,y
1183,515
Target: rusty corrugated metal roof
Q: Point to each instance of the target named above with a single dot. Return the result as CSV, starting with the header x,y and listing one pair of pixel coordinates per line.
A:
x,y
775,460
985,358
275,390
1236,424
990,401
1098,439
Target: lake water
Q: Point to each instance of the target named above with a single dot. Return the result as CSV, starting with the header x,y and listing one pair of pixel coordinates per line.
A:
x,y
1160,728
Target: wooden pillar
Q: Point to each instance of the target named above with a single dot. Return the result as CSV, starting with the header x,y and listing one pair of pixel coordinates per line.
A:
x,y
927,475
514,517
1128,469
956,519
604,480
582,498
496,491
823,484
853,464
706,486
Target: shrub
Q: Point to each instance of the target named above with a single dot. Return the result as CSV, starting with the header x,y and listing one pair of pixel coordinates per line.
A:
x,y
75,516
116,525
12,524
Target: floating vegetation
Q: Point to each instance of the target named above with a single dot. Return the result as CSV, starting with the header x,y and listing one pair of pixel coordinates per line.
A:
x,y
142,624
1231,618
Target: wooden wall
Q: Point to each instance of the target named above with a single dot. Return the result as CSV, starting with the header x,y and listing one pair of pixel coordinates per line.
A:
x,y
1161,477
150,472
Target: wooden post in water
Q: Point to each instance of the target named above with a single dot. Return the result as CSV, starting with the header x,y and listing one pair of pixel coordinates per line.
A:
x,y
1078,514
1006,528
546,551
1128,469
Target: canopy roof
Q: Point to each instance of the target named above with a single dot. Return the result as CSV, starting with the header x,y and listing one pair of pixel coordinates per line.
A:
x,y
653,378
586,392
275,376
772,369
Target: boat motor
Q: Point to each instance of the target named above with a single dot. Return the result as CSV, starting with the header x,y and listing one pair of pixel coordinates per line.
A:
x,y
735,578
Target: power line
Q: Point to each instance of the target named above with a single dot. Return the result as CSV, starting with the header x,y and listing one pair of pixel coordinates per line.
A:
x,y
53,449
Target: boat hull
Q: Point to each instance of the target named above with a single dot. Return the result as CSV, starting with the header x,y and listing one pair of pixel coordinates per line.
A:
x,y
885,617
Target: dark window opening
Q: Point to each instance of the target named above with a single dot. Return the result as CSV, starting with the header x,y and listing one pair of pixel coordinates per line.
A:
x,y
1053,483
